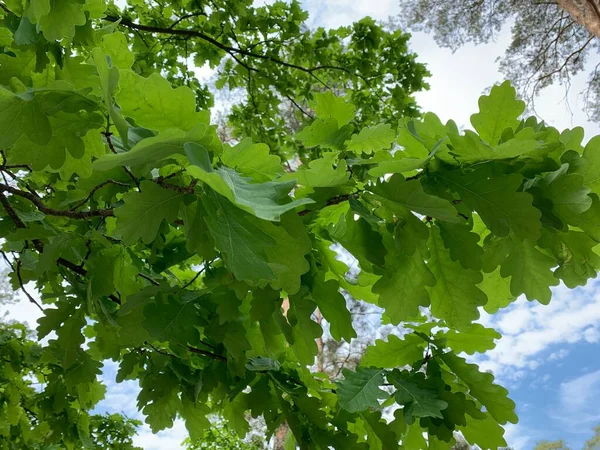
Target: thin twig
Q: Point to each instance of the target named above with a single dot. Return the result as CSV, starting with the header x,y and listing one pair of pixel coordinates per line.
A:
x,y
55,212
146,277
107,134
22,285
93,191
206,353
193,279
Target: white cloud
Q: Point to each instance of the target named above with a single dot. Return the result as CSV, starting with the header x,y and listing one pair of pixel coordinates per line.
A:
x,y
578,402
591,335
163,440
23,311
530,329
517,436
560,354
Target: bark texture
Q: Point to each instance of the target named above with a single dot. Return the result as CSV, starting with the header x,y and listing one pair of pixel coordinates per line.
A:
x,y
584,12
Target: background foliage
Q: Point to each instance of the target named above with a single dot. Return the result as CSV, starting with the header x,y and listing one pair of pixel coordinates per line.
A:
x,y
208,271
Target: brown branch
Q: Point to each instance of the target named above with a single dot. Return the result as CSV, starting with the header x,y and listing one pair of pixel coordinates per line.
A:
x,y
22,286
576,52
55,212
193,279
181,189
299,107
146,277
332,201
18,166
206,353
93,191
107,134
228,49
39,246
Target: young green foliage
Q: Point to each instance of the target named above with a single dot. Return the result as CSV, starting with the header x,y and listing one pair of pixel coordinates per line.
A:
x,y
208,272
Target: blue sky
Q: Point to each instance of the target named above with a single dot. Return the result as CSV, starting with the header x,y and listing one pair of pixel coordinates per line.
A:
x,y
548,357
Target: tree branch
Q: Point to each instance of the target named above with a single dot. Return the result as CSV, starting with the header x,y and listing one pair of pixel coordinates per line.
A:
x,y
206,353
107,134
55,212
22,286
93,191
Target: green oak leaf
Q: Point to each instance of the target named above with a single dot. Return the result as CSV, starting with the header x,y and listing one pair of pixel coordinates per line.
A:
x,y
57,19
360,239
240,237
22,114
402,288
154,104
372,139
197,236
462,243
70,339
156,148
54,317
143,212
172,320
264,200
497,111
481,386
195,416
486,433
420,137
589,221
566,192
590,169
257,250
530,271
324,133
68,135
497,290
360,390
324,172
252,160
497,199
409,231
332,305
575,254
455,296
475,339
327,106
410,195
112,270
116,47
417,396
394,352
304,330
159,399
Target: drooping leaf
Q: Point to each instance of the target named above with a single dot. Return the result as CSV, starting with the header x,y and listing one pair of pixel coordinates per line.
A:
x,y
455,296
418,398
142,213
369,140
481,386
410,195
498,201
394,352
264,200
361,390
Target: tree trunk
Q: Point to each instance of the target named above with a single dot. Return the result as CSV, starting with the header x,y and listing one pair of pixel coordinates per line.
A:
x,y
584,12
281,436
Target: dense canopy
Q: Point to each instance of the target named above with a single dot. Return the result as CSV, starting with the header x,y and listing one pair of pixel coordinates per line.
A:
x,y
155,244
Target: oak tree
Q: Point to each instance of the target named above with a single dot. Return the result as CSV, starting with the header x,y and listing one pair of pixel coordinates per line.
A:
x,y
157,246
